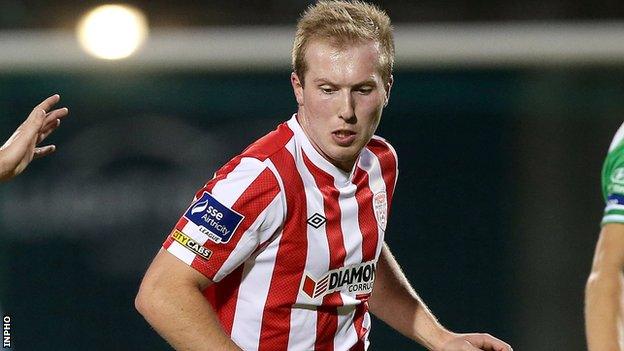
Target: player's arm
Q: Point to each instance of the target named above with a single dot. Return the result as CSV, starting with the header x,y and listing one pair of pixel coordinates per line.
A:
x,y
170,299
395,302
21,148
604,310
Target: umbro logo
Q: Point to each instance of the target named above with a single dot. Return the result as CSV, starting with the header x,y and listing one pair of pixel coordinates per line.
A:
x,y
316,220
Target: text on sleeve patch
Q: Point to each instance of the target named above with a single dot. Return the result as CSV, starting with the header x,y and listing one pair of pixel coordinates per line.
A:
x,y
213,218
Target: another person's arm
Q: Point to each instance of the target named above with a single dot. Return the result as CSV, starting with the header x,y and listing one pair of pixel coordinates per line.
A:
x,y
604,309
21,148
170,298
395,302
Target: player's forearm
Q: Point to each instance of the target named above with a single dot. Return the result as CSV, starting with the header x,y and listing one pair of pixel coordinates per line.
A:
x,y
395,302
7,169
183,317
414,320
603,310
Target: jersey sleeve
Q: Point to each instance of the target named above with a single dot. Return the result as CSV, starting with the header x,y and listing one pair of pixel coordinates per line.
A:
x,y
389,163
230,218
613,181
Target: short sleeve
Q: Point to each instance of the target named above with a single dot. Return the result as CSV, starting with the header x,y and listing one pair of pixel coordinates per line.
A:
x,y
613,181
389,163
230,218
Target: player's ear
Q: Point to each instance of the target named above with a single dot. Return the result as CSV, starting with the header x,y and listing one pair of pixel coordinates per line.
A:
x,y
388,87
297,86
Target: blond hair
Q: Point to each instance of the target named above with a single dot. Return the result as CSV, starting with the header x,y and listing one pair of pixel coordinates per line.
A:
x,y
342,23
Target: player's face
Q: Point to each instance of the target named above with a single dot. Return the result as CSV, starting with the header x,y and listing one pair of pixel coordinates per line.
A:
x,y
341,103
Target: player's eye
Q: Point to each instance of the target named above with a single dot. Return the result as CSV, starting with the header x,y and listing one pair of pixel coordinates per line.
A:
x,y
326,89
365,90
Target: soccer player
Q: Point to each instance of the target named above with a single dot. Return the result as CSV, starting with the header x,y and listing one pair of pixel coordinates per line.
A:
x,y
21,148
284,247
604,310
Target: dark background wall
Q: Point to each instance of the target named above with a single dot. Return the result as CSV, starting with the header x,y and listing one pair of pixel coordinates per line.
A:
x,y
494,221
19,14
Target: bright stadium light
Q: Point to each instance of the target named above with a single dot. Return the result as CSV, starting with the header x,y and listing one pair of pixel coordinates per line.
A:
x,y
112,31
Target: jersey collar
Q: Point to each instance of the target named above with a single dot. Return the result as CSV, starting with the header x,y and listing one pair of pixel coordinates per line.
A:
x,y
340,177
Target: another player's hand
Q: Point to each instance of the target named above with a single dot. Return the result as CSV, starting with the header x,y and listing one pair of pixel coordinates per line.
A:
x,y
475,342
21,148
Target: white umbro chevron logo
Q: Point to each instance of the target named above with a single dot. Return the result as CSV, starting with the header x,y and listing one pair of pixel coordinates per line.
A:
x,y
316,220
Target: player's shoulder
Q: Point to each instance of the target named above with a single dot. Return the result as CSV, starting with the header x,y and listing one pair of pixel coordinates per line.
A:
x,y
382,149
617,140
255,159
269,144
613,168
615,155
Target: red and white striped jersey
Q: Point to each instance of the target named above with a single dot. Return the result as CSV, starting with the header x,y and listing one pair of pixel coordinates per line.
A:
x,y
291,242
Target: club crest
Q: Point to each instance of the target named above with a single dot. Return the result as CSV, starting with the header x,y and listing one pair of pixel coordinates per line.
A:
x,y
380,206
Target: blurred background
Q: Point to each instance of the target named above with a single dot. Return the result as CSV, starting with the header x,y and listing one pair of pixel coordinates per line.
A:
x,y
501,113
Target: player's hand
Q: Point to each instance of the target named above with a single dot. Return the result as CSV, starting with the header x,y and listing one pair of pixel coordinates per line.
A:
x,y
475,342
21,148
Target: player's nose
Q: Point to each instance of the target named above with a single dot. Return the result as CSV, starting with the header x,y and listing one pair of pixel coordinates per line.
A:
x,y
347,109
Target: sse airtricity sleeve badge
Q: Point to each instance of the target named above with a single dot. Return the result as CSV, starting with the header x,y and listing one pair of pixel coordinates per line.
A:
x,y
615,190
217,221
